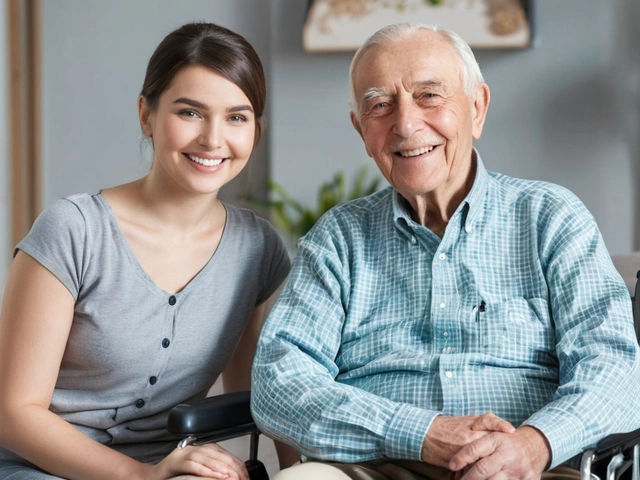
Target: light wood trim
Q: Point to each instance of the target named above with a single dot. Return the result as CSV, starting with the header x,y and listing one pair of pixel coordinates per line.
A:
x,y
14,19
35,108
25,106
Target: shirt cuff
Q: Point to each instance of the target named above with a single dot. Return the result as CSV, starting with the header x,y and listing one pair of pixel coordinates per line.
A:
x,y
563,431
406,433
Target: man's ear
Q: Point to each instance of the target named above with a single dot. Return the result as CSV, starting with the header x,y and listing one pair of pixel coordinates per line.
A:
x,y
356,124
144,114
479,109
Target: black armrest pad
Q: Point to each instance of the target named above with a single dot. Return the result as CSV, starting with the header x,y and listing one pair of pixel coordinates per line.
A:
x,y
618,441
211,414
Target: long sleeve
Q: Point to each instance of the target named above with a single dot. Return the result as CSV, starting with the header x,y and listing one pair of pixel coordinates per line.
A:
x,y
296,397
599,366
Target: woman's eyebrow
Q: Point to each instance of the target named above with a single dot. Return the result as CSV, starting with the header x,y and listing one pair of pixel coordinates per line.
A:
x,y
240,108
202,106
192,102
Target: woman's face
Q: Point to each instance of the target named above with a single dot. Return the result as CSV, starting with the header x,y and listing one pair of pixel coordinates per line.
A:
x,y
202,130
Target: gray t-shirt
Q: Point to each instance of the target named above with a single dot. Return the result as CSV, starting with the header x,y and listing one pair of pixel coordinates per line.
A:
x,y
134,350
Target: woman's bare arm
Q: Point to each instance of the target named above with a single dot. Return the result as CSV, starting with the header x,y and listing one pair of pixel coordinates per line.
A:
x,y
35,322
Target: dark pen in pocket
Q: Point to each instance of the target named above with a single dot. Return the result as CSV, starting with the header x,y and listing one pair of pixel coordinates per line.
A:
x,y
477,310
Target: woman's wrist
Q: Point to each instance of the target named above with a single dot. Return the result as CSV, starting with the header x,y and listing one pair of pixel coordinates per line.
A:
x,y
138,471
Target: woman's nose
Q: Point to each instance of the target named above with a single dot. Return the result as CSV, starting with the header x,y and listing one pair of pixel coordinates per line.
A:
x,y
211,135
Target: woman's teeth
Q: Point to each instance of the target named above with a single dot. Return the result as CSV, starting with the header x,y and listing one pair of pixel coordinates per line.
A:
x,y
205,162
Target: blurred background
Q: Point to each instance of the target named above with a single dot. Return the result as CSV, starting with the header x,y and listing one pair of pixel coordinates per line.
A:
x,y
565,110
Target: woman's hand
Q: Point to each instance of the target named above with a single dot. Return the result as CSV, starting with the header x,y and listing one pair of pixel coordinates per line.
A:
x,y
208,461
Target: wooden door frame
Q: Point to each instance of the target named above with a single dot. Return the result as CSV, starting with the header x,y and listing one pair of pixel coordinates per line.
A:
x,y
25,114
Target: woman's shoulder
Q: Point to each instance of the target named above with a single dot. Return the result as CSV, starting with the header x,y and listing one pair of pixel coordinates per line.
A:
x,y
243,220
86,205
70,211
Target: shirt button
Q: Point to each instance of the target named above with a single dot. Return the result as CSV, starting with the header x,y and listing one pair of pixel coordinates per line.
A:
x,y
442,305
413,240
172,300
449,374
445,334
139,403
442,256
165,343
446,350
468,229
153,380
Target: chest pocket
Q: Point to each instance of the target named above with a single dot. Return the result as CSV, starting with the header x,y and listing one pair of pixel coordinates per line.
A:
x,y
516,327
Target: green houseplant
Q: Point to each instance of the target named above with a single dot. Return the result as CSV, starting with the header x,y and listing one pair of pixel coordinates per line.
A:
x,y
294,219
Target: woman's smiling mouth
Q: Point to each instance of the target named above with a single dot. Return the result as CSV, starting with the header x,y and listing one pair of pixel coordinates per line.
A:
x,y
205,161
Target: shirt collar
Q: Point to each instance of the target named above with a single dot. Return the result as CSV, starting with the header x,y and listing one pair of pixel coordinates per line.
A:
x,y
473,203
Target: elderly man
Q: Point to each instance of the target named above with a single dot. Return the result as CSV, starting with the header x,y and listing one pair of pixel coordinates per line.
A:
x,y
458,321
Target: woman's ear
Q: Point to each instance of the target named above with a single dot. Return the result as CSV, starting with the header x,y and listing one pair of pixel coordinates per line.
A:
x,y
144,114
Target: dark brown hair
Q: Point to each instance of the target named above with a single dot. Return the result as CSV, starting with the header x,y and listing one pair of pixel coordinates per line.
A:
x,y
216,48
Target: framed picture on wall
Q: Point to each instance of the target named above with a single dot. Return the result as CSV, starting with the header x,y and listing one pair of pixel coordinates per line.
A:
x,y
343,25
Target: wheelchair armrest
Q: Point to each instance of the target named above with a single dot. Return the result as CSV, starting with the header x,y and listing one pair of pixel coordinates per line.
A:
x,y
220,417
617,442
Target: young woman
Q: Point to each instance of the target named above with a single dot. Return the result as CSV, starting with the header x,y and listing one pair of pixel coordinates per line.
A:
x,y
121,304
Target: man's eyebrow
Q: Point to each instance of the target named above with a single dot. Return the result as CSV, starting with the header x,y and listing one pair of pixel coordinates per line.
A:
x,y
429,83
374,92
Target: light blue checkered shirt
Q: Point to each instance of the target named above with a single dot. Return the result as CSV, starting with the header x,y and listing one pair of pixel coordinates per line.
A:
x,y
517,310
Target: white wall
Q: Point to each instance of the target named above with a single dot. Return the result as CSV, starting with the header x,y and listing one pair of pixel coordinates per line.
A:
x,y
5,194
555,115
626,79
559,119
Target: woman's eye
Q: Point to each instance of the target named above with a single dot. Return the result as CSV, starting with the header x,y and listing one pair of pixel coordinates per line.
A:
x,y
238,118
189,113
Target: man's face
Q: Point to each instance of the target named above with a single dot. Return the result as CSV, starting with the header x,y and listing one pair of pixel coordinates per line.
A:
x,y
416,120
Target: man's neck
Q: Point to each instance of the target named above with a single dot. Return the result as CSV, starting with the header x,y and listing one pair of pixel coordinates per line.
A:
x,y
434,209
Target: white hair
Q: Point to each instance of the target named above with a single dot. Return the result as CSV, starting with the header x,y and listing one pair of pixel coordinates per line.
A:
x,y
471,74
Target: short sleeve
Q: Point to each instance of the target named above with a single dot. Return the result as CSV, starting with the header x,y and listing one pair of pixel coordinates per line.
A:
x,y
276,261
57,241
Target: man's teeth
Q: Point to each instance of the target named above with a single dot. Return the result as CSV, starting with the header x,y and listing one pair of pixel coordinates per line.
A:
x,y
415,153
205,162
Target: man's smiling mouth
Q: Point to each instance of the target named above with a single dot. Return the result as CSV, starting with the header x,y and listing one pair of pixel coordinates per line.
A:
x,y
416,152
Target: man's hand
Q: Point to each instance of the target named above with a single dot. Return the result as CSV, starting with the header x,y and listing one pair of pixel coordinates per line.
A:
x,y
447,435
524,454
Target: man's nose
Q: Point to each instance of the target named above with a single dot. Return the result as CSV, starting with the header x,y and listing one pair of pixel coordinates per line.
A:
x,y
408,118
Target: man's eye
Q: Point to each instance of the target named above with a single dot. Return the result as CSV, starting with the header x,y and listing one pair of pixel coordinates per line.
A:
x,y
380,109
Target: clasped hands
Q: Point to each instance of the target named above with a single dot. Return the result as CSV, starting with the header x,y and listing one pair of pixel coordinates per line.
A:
x,y
487,446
